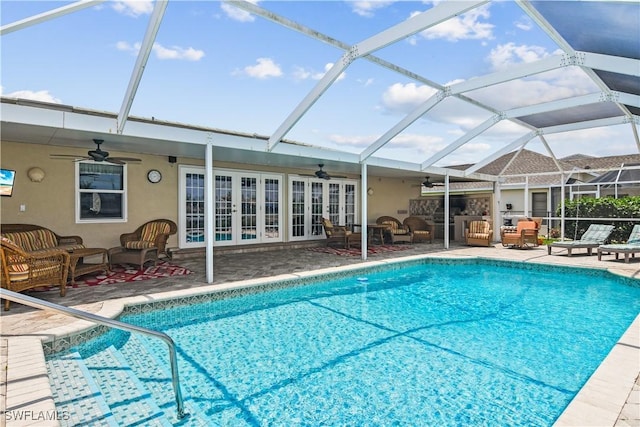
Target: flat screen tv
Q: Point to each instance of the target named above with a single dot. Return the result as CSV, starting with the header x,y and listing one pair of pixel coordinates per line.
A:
x,y
7,178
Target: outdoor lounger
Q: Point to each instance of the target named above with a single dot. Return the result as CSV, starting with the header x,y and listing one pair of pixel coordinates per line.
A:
x,y
595,236
630,248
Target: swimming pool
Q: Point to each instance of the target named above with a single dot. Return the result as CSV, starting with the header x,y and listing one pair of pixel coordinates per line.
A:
x,y
431,343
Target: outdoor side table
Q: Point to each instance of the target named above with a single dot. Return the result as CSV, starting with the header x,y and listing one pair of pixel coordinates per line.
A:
x,y
78,265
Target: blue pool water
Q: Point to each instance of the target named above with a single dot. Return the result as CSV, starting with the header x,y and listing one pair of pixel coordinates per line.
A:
x,y
429,344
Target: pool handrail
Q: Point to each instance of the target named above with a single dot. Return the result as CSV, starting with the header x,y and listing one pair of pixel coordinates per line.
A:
x,y
112,323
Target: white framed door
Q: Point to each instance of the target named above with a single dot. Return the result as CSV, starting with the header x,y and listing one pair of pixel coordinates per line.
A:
x,y
311,199
191,231
247,207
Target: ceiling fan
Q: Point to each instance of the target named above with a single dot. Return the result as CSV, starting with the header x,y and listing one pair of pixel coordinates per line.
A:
x,y
322,174
428,184
98,155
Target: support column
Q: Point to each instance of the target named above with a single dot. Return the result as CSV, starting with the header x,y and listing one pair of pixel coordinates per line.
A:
x,y
446,212
209,210
363,209
496,207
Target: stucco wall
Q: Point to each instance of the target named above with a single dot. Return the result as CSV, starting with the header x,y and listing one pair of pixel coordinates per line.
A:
x,y
51,203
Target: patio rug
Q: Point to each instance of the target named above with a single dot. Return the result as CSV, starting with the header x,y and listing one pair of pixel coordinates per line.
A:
x,y
124,273
371,250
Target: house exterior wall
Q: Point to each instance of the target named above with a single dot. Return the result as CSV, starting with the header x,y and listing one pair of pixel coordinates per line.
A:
x,y
51,203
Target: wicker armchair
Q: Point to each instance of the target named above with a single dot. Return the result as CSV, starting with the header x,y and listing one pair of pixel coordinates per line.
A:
x,y
524,236
145,244
479,233
22,270
340,234
396,232
421,229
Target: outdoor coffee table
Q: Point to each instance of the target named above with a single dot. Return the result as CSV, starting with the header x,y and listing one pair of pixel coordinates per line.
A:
x,y
79,267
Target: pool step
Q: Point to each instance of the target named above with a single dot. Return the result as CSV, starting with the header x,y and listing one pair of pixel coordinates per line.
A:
x,y
130,401
149,358
78,398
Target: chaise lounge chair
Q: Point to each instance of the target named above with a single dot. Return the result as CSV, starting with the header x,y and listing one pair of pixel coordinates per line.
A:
x,y
596,235
630,248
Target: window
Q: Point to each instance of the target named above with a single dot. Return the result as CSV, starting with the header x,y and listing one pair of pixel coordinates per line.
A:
x,y
100,192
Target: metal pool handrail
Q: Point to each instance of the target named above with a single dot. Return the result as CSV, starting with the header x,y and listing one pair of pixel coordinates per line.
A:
x,y
45,305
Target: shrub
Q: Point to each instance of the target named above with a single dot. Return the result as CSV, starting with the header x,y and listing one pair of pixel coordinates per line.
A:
x,y
604,207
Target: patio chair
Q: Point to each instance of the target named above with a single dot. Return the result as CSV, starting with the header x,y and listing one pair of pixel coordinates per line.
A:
x,y
630,248
524,236
145,244
479,233
421,229
396,231
340,234
23,270
596,235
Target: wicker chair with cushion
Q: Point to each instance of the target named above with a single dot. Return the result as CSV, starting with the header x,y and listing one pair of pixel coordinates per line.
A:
x,y
479,233
340,234
396,231
23,270
524,236
421,229
145,244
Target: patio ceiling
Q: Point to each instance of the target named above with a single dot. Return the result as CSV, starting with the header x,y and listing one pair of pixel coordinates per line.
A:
x,y
599,44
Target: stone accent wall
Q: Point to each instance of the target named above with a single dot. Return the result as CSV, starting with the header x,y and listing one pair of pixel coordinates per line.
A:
x,y
424,207
475,205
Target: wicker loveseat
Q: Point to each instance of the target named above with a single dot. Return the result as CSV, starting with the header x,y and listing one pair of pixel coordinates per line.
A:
x,y
33,256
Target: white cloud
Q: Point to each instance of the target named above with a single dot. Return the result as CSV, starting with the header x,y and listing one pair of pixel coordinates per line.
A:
x,y
264,69
175,52
301,73
133,8
40,95
367,8
465,26
524,23
405,98
237,14
505,55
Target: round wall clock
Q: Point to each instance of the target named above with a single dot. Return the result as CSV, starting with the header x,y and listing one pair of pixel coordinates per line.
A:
x,y
154,176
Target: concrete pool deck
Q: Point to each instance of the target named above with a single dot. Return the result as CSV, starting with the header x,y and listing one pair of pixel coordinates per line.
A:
x,y
610,398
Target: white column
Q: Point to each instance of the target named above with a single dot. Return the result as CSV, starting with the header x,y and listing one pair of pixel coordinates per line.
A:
x,y
209,210
562,196
497,203
363,209
446,211
526,196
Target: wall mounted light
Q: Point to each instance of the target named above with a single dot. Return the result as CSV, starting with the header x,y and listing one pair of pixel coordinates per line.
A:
x,y
370,191
36,174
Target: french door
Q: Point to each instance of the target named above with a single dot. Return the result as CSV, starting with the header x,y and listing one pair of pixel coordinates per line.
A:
x,y
247,207
311,199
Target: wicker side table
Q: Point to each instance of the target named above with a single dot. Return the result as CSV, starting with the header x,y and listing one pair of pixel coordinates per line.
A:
x,y
120,255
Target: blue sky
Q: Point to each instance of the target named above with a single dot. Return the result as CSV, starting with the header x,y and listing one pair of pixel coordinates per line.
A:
x,y
217,66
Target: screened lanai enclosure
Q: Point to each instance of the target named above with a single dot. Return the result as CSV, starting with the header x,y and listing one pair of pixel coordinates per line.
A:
x,y
372,91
